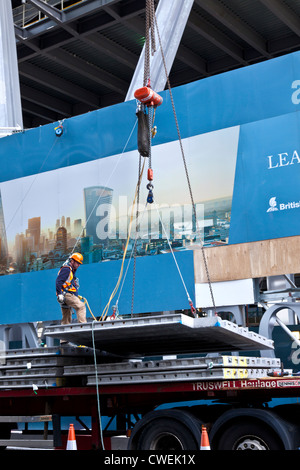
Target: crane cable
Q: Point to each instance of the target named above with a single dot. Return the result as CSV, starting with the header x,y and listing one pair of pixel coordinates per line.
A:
x,y
115,308
136,233
151,23
105,311
150,44
184,162
150,16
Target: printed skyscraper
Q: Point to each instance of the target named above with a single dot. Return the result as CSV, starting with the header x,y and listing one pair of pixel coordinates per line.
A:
x,y
97,203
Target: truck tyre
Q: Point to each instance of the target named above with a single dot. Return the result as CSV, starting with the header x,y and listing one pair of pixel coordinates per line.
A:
x,y
249,436
164,430
166,434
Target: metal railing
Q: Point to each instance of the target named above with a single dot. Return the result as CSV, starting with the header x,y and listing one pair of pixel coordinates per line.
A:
x,y
27,14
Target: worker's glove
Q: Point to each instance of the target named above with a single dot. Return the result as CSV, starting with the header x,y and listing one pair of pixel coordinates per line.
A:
x,y
76,282
61,298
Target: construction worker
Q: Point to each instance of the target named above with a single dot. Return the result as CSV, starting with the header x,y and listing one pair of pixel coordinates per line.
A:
x,y
67,290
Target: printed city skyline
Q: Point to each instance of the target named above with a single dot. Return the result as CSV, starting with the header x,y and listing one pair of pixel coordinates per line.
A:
x,y
92,202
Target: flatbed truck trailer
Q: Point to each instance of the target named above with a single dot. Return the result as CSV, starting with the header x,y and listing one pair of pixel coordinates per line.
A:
x,y
236,412
158,380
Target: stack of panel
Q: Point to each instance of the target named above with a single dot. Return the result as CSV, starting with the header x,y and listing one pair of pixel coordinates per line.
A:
x,y
74,366
176,370
142,338
40,367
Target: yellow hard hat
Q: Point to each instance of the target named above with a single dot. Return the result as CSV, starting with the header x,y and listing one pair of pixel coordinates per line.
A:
x,y
77,257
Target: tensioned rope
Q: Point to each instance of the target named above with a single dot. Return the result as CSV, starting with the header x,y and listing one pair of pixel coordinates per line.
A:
x,y
150,21
150,45
175,261
184,161
133,251
136,234
105,311
151,25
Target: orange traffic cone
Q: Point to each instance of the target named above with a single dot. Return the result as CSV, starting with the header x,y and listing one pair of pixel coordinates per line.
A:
x,y
71,444
204,439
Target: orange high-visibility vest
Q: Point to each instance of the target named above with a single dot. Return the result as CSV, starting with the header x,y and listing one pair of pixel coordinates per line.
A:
x,y
68,286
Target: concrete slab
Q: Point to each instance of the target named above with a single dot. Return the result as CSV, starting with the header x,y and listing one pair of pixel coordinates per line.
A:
x,y
160,335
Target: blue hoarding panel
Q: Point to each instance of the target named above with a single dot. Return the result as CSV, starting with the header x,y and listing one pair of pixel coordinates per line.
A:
x,y
241,132
249,94
30,297
266,198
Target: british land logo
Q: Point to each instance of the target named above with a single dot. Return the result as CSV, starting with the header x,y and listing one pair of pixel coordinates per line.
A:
x,y
274,207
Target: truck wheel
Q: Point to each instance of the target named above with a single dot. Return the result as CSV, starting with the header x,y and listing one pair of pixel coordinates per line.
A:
x,y
166,434
249,436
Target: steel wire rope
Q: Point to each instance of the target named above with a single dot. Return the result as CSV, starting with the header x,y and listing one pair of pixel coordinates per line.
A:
x,y
184,162
149,39
149,43
150,121
94,348
130,258
105,310
93,338
95,320
136,231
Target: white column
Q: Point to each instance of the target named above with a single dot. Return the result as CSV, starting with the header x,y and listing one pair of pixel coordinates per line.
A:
x,y
10,99
172,16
